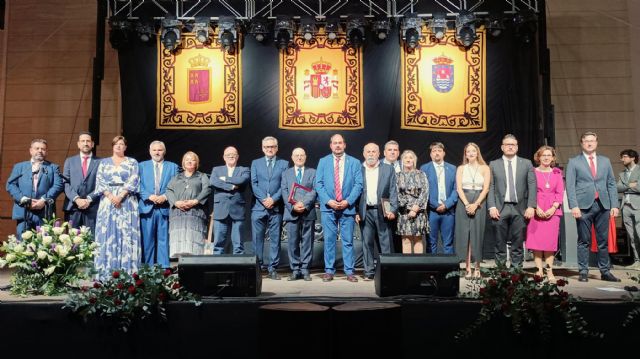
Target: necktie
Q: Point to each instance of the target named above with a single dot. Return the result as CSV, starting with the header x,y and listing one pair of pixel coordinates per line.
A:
x,y
592,166
336,180
270,166
85,166
442,191
157,179
511,184
299,175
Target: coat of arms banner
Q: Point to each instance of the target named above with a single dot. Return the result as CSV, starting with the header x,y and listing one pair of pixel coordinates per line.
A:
x,y
321,85
199,86
444,86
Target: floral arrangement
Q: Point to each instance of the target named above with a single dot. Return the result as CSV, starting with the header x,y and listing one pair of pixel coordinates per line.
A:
x,y
50,259
530,302
126,297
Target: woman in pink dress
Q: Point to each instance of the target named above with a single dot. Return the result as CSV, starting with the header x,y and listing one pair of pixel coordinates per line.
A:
x,y
542,231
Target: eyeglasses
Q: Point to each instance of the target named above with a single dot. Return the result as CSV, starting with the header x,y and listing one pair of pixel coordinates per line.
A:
x,y
267,147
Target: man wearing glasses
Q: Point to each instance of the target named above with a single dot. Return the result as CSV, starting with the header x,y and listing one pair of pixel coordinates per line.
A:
x,y
511,200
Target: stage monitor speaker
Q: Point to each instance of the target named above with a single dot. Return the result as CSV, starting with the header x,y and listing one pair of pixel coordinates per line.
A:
x,y
223,275
398,274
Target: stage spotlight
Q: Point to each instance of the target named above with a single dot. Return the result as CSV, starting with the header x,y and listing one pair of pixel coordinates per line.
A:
x,y
308,27
258,28
495,25
170,36
332,27
381,27
438,25
146,31
355,31
465,28
411,30
201,28
283,32
227,32
119,33
526,26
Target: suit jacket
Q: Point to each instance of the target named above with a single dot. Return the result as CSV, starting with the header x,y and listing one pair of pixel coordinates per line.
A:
x,y
147,185
451,193
525,184
634,192
227,201
20,184
264,185
77,186
288,179
351,183
387,188
581,187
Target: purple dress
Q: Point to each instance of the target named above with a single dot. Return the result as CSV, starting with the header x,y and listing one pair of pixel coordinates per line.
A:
x,y
542,234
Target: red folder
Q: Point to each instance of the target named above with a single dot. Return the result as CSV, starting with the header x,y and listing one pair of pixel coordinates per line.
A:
x,y
612,238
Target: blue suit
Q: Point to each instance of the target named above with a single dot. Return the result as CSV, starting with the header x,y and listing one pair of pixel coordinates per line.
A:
x,y
299,226
581,192
77,186
20,184
228,206
154,218
343,219
264,186
442,223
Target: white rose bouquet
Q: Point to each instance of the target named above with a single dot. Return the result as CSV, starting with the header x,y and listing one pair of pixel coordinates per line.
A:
x,y
49,259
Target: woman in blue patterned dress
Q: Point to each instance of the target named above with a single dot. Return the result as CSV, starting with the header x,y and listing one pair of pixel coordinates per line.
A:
x,y
117,223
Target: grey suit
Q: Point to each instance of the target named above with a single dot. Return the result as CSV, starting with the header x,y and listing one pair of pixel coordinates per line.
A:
x,y
299,227
372,220
228,206
581,192
511,226
630,205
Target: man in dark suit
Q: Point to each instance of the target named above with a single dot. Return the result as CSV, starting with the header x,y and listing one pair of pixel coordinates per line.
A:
x,y
299,215
266,213
511,200
630,204
593,199
80,204
34,186
443,197
339,185
379,185
155,175
229,184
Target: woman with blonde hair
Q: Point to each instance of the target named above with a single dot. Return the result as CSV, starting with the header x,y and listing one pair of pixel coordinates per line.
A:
x,y
472,182
413,194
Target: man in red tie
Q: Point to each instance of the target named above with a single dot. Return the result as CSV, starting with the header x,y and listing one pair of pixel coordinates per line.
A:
x,y
593,199
80,205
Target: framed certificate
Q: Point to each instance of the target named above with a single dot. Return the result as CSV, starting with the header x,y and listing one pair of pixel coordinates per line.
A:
x,y
297,193
386,206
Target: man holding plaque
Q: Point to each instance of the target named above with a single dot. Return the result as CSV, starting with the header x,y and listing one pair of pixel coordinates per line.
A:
x,y
377,206
299,214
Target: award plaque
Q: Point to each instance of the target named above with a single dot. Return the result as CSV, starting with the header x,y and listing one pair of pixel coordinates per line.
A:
x,y
298,192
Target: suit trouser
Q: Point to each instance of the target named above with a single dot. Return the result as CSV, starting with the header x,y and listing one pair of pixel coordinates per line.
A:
x,y
511,228
31,222
271,222
373,224
220,232
597,216
300,248
154,227
80,217
631,220
331,221
443,223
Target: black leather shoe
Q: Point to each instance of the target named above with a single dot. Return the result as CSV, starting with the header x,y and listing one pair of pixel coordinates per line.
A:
x,y
584,277
608,277
307,277
274,275
368,277
294,276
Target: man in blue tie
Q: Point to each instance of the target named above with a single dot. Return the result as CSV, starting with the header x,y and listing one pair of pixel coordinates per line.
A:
x,y
34,186
442,199
266,213
155,175
299,214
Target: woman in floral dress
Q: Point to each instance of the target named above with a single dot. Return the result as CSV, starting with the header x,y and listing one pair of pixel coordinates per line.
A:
x,y
117,223
413,193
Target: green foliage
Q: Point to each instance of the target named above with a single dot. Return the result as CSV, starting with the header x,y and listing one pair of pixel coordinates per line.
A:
x,y
634,297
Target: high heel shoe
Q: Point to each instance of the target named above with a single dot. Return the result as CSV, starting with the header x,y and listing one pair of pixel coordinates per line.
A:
x,y
551,278
477,274
468,276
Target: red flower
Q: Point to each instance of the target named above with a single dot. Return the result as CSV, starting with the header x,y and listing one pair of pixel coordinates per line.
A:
x,y
85,288
482,291
109,292
162,296
117,301
167,272
132,289
92,300
120,285
115,274
96,285
515,278
504,274
561,283
135,276
176,285
492,282
139,283
537,278
564,294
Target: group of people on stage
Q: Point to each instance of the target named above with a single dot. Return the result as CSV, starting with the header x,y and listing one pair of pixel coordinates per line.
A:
x,y
151,211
